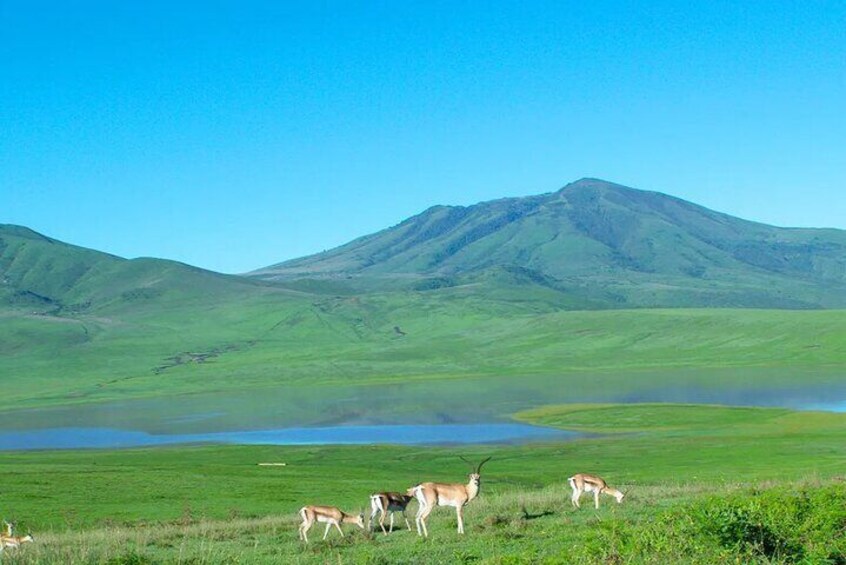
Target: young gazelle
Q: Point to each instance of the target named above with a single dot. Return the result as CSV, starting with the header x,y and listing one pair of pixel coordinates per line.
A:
x,y
581,483
456,495
385,502
9,540
329,515
14,541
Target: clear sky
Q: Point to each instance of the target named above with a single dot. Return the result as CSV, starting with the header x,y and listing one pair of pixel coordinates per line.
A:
x,y
234,135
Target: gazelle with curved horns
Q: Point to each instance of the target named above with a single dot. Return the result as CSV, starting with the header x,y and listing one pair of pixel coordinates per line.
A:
x,y
430,495
582,483
328,515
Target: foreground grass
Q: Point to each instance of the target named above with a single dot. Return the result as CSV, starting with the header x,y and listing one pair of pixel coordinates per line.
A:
x,y
770,523
685,466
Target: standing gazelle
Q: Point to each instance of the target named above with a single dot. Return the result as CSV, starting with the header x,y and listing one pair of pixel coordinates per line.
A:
x,y
385,502
329,515
582,483
456,495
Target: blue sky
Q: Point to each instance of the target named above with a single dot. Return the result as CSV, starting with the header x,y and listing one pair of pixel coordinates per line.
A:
x,y
233,135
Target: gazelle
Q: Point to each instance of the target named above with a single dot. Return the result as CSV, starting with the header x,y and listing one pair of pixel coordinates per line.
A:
x,y
329,515
385,502
582,483
9,540
430,495
14,541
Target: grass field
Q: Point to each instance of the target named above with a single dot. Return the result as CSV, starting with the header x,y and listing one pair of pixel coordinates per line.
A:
x,y
89,335
264,342
690,469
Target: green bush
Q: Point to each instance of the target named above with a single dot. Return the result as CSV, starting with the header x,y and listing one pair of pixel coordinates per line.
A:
x,y
776,525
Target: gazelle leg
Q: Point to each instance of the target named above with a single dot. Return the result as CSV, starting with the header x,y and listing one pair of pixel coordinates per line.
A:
x,y
421,517
596,499
326,533
407,525
392,522
459,512
382,522
575,499
417,519
373,515
340,531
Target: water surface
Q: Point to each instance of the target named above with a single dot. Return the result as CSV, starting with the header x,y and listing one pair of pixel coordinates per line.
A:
x,y
77,438
389,413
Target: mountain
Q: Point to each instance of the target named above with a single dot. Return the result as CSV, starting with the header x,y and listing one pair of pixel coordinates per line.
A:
x,y
46,275
598,243
487,290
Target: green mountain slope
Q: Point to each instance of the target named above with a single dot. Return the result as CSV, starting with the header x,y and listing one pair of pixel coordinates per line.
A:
x,y
48,276
600,245
80,326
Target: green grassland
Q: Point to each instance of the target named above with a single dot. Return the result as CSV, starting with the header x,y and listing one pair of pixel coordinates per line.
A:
x,y
705,484
708,484
78,326
278,337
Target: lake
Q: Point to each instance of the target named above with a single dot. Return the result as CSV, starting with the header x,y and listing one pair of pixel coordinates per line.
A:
x,y
446,434
472,410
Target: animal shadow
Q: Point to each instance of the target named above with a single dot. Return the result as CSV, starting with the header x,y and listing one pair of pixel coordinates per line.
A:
x,y
527,516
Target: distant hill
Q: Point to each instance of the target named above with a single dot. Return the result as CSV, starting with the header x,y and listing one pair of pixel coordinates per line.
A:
x,y
597,244
43,274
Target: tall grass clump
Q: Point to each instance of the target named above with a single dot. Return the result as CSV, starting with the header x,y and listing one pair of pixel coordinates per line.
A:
x,y
806,524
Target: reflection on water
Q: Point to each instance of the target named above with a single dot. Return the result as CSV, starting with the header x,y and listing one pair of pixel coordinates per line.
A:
x,y
450,402
77,438
827,406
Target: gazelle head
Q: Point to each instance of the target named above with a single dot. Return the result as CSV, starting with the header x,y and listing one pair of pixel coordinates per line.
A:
x,y
359,520
476,474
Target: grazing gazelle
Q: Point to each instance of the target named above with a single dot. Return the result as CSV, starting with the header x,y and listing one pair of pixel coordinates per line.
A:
x,y
9,540
14,541
430,495
581,483
328,515
385,502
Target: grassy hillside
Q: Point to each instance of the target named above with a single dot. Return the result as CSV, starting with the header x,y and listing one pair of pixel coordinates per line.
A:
x,y
601,244
276,338
41,275
80,326
706,484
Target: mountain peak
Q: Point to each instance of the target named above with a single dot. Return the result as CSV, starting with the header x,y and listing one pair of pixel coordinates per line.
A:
x,y
619,245
599,185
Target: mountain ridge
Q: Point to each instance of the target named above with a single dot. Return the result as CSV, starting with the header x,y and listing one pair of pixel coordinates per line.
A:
x,y
601,238
45,274
591,244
